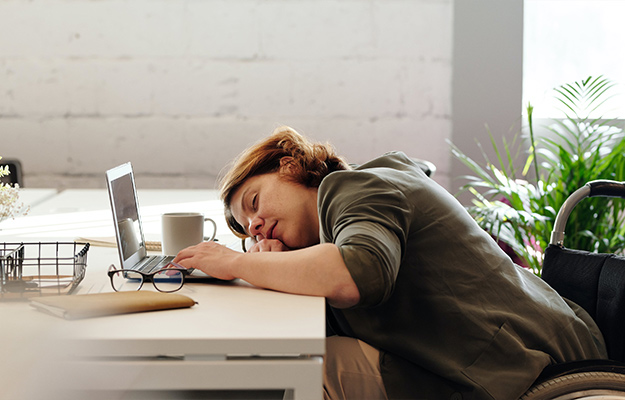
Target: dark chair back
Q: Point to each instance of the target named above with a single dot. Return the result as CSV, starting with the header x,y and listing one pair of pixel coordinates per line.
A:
x,y
15,169
596,282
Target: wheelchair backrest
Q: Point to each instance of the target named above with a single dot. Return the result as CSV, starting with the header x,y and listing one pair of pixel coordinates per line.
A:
x,y
596,282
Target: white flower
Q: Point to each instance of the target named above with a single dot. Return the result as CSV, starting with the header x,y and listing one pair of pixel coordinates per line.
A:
x,y
10,207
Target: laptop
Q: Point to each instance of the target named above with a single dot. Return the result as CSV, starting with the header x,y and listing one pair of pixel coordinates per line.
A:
x,y
129,235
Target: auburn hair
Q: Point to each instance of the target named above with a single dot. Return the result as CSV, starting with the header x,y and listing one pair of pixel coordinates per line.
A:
x,y
309,163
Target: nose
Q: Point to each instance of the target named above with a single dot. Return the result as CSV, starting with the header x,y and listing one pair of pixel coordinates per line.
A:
x,y
256,226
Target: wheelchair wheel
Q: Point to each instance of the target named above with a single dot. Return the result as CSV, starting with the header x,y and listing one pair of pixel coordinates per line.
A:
x,y
582,385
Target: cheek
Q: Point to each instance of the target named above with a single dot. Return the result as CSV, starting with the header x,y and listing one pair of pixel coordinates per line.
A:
x,y
304,229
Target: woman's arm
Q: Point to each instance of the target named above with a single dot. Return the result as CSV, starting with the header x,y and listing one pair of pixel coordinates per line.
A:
x,y
317,270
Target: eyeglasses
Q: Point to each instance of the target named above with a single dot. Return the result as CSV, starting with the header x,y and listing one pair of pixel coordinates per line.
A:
x,y
164,280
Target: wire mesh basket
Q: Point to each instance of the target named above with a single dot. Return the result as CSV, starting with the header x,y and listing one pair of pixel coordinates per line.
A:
x,y
41,269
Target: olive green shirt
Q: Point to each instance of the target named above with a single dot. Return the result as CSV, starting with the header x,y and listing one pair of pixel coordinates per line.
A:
x,y
446,306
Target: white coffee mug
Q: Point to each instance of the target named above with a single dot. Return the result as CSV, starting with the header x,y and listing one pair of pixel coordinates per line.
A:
x,y
181,230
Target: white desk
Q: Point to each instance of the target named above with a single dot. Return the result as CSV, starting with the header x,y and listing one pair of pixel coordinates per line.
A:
x,y
33,197
237,337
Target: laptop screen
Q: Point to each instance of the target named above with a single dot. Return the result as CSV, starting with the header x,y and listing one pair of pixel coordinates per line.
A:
x,y
125,208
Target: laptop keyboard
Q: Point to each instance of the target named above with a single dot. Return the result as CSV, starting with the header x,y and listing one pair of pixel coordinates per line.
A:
x,y
154,263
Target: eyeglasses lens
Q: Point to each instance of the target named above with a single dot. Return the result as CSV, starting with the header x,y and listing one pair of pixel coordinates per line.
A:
x,y
125,281
168,280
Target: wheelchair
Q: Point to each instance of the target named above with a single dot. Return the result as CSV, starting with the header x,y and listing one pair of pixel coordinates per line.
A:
x,y
596,282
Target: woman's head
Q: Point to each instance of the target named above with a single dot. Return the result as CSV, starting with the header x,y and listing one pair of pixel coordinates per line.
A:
x,y
308,163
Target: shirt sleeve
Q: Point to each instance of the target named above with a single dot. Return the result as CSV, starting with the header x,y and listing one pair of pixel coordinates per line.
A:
x,y
367,217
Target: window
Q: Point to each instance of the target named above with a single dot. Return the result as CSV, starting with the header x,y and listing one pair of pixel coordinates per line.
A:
x,y
567,41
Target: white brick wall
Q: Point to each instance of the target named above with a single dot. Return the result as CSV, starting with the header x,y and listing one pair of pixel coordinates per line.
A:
x,y
180,87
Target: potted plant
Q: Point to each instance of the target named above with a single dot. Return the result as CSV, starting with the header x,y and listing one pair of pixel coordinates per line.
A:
x,y
518,207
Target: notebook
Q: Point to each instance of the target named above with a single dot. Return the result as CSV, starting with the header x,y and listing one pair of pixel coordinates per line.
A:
x,y
129,236
113,303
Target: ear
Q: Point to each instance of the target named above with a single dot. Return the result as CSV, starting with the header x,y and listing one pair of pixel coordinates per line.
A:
x,y
286,164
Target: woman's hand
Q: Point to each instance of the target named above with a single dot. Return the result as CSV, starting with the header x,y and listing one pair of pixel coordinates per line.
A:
x,y
267,245
214,259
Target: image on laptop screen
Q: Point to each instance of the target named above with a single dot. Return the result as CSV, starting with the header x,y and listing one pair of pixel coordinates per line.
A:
x,y
127,216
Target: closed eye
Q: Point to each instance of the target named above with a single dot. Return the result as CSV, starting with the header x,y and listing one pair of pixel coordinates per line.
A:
x,y
255,202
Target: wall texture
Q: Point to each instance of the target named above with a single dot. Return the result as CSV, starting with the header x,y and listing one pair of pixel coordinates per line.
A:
x,y
180,87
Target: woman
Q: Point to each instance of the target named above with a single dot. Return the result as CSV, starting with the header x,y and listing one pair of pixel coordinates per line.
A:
x,y
423,303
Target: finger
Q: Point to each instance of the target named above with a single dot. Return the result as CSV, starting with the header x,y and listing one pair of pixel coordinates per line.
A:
x,y
254,249
188,252
173,264
186,263
264,245
184,254
267,245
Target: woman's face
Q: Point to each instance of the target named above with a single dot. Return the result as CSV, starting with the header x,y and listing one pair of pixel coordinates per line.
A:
x,y
270,207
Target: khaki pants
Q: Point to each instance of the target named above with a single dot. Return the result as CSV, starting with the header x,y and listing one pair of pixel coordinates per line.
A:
x,y
351,370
